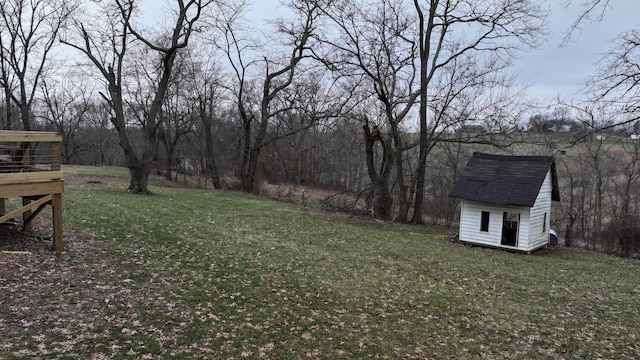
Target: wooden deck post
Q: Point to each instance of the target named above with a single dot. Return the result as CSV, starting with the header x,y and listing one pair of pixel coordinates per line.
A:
x,y
56,204
28,225
26,161
55,156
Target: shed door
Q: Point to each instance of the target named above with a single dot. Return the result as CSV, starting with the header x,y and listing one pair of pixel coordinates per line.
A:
x,y
510,226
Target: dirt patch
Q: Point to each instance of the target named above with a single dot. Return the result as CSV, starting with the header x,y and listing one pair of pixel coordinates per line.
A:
x,y
14,238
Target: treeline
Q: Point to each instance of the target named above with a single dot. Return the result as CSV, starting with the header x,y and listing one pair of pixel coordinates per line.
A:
x,y
382,100
599,174
241,98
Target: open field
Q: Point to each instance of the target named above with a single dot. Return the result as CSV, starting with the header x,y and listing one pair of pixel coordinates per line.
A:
x,y
201,274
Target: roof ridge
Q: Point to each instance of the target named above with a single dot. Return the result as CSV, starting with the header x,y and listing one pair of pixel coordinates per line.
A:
x,y
541,158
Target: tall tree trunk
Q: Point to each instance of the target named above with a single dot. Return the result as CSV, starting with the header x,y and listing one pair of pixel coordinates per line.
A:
x,y
426,28
246,177
7,104
167,172
170,146
25,113
213,172
403,199
139,181
249,177
139,168
212,168
382,199
420,178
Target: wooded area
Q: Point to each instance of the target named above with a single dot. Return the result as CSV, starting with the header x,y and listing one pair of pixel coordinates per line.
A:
x,y
384,101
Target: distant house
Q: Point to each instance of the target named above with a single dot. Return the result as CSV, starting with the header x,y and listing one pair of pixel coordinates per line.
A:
x,y
506,200
471,129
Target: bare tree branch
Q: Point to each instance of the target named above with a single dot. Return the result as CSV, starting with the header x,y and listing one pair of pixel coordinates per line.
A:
x,y
593,11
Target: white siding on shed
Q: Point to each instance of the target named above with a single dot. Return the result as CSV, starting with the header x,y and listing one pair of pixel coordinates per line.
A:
x,y
539,235
470,218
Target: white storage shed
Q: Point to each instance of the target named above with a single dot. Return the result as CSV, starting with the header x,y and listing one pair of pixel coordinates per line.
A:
x,y
506,200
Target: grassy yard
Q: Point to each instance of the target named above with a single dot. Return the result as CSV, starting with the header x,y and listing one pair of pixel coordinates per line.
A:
x,y
203,274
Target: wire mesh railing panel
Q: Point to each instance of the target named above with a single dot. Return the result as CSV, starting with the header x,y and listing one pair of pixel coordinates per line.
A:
x,y
21,157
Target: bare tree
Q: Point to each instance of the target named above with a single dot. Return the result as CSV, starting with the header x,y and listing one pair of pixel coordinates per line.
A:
x,y
7,83
208,93
100,134
176,122
447,160
375,43
175,117
66,106
340,161
621,233
379,171
498,28
262,103
109,59
214,116
28,31
616,81
593,11
449,57
206,112
590,180
614,86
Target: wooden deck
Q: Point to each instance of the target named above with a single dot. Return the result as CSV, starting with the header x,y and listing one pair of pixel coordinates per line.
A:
x,y
30,169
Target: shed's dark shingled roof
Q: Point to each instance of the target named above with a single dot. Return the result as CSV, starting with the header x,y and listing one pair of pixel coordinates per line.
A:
x,y
505,180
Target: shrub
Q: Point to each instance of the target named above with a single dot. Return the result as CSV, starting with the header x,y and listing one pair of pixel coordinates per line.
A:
x,y
622,236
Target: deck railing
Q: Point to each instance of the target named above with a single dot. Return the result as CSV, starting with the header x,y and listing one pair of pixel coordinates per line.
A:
x,y
29,156
30,168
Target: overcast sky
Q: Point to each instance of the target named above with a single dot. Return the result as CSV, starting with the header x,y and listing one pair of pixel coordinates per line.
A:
x,y
552,70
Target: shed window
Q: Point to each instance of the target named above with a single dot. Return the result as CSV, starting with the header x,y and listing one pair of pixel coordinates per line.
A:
x,y
484,221
544,223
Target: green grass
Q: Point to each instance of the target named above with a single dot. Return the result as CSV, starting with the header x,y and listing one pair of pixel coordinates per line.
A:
x,y
202,274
